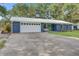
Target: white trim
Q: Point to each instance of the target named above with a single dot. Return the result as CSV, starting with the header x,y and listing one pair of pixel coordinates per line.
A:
x,y
12,27
20,19
72,27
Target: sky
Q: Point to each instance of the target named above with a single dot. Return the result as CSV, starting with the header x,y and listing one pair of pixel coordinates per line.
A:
x,y
8,6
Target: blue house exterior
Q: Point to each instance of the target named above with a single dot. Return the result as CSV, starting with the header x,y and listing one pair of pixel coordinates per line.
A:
x,y
21,24
16,27
61,27
56,27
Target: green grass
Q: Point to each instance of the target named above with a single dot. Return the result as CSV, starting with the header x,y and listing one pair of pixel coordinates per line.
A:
x,y
2,43
68,33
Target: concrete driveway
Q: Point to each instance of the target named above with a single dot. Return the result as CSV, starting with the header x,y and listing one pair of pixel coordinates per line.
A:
x,y
40,44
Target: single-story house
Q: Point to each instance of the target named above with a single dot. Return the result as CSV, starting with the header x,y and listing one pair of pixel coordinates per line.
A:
x,y
77,26
23,24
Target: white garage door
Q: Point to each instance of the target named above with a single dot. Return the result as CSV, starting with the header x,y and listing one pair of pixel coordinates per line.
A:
x,y
30,27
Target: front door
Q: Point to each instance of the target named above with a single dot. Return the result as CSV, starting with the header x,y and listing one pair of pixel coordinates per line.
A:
x,y
16,27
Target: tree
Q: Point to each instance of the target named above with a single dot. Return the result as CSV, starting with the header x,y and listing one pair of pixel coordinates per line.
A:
x,y
57,10
69,9
63,11
2,11
6,19
42,8
19,10
28,10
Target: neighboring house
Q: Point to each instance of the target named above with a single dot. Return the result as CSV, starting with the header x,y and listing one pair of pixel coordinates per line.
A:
x,y
0,17
22,24
77,25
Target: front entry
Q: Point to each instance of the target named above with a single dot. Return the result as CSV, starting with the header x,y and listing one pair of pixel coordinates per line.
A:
x,y
16,27
44,27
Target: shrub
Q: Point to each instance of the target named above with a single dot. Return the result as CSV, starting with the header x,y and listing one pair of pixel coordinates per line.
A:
x,y
2,43
7,27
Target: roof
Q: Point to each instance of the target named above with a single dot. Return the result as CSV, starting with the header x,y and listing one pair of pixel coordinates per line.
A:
x,y
38,20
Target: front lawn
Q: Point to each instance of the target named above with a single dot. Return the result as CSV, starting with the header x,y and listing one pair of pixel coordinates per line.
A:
x,y
69,33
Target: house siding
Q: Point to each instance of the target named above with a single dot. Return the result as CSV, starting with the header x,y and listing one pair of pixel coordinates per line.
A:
x,y
56,27
61,27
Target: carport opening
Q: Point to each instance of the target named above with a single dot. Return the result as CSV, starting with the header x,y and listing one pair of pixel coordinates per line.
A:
x,y
46,27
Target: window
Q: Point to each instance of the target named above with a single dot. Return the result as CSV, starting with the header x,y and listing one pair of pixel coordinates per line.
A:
x,y
21,23
24,23
37,24
32,24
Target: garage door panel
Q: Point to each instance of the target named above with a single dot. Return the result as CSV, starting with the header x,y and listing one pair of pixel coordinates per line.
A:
x,y
31,27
